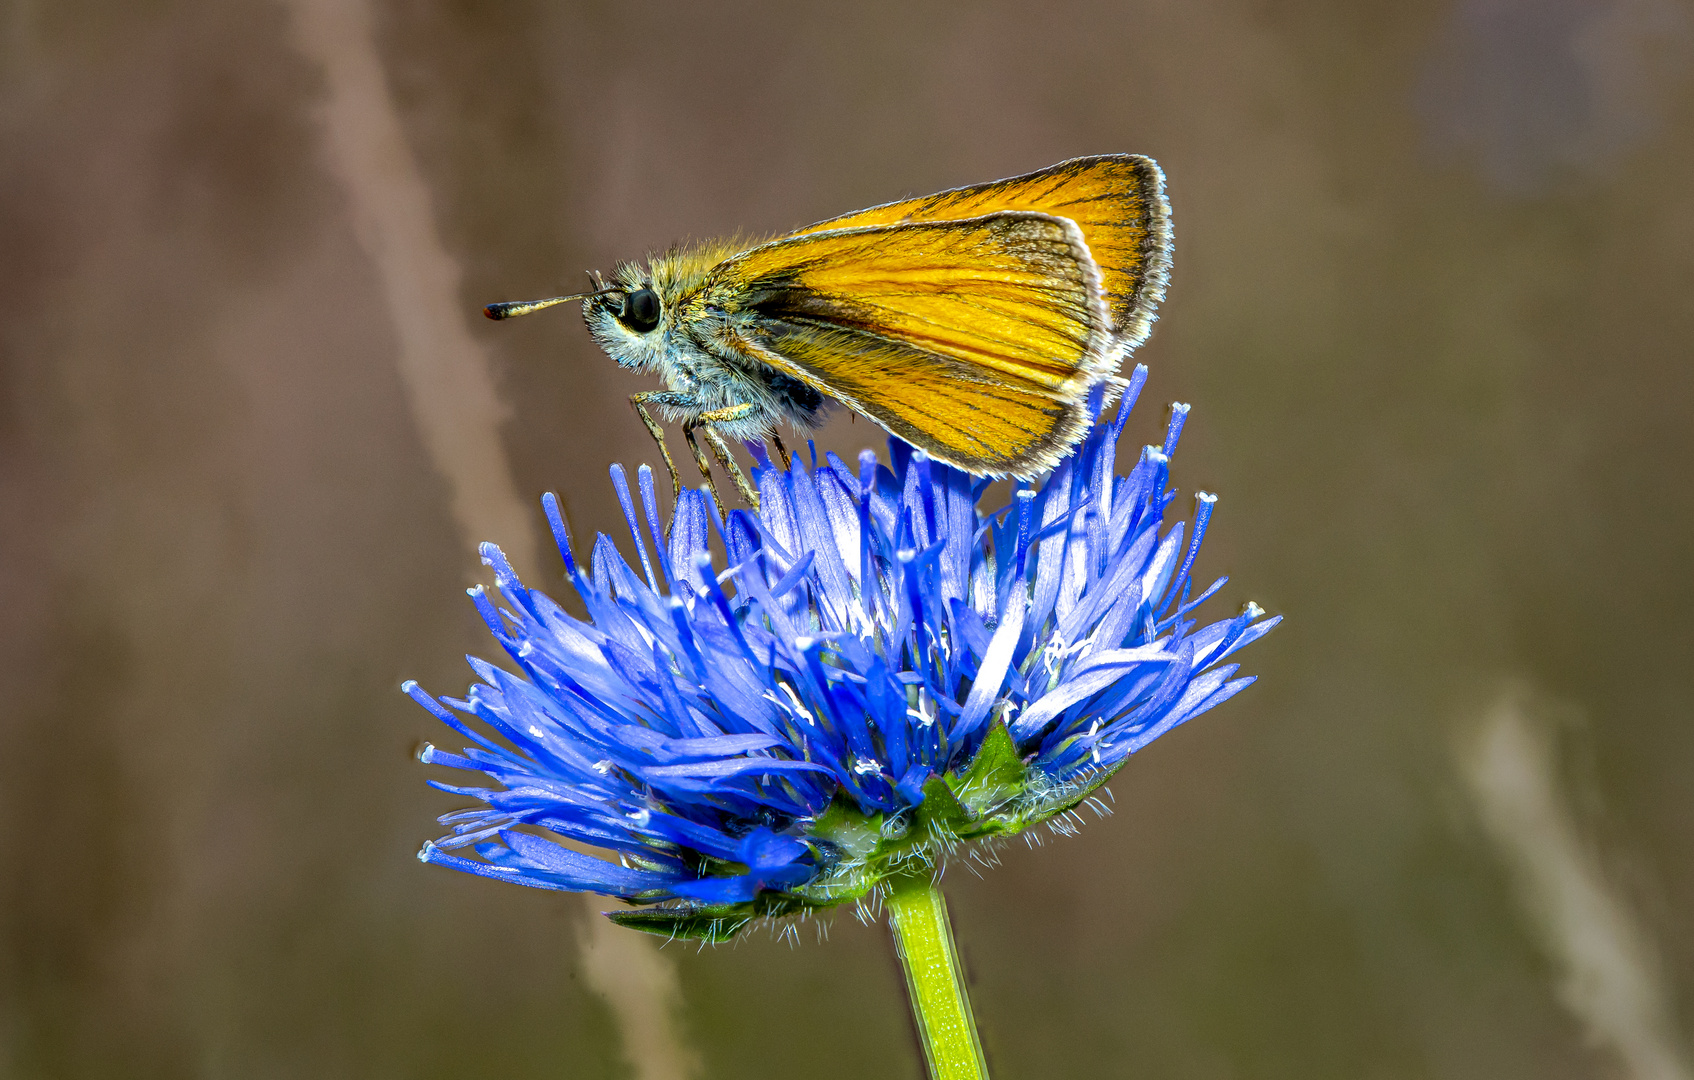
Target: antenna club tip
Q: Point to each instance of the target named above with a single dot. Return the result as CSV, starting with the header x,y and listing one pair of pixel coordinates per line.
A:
x,y
495,311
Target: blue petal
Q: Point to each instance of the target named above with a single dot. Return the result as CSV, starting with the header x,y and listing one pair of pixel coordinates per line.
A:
x,y
869,624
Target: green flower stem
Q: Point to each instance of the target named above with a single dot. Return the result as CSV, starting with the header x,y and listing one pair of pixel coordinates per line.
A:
x,y
923,936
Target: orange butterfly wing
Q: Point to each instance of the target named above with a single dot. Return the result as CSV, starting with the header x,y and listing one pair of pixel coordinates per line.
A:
x,y
976,340
1117,200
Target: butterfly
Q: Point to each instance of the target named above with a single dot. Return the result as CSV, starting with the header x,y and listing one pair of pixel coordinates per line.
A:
x,y
973,323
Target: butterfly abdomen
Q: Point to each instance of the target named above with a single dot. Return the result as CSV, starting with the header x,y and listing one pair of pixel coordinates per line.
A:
x,y
795,396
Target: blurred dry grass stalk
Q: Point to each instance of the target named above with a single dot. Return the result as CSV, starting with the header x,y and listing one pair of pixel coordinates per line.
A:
x,y
449,385
1611,976
452,396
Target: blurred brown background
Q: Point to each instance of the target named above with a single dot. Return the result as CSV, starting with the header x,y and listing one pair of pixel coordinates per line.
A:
x,y
1432,304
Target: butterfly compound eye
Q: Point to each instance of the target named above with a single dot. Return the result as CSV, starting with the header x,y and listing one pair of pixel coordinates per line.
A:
x,y
641,311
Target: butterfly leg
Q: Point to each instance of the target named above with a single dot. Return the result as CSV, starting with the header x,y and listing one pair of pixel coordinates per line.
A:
x,y
720,449
781,450
640,402
705,466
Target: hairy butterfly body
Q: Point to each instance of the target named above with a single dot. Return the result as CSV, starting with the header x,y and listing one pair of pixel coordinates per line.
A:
x,y
973,323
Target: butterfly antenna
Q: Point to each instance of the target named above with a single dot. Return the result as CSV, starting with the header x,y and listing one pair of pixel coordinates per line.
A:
x,y
511,309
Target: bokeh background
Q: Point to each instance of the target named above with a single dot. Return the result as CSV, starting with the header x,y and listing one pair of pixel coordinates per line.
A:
x,y
1433,303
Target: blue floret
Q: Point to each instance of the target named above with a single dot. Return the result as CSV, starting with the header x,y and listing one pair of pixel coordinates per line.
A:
x,y
881,671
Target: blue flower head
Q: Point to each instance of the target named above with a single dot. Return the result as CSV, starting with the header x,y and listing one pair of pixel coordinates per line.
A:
x,y
881,672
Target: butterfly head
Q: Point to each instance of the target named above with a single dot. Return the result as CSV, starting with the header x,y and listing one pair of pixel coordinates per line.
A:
x,y
632,315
